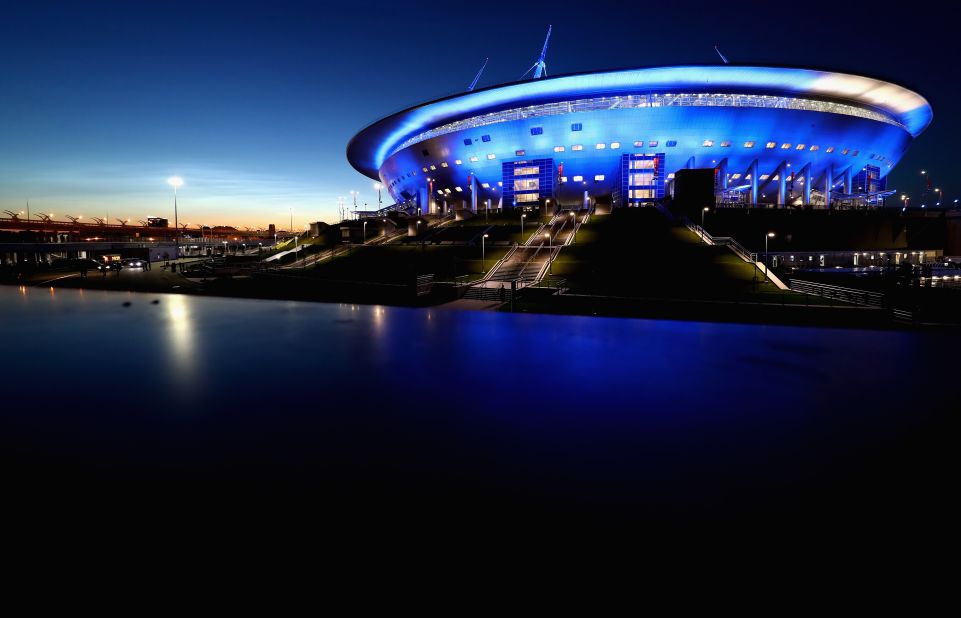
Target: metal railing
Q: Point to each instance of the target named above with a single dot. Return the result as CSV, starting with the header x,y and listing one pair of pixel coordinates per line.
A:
x,y
848,295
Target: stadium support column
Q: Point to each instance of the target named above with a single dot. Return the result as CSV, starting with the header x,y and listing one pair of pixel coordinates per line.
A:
x,y
782,184
848,181
805,173
587,201
423,200
828,184
722,174
473,193
754,182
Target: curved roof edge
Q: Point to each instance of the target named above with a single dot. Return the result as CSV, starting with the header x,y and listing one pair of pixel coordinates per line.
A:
x,y
367,150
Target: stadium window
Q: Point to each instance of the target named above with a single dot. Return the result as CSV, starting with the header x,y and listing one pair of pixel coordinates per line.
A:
x,y
749,144
600,146
771,145
815,147
458,189
708,143
785,146
830,149
491,156
639,144
801,147
433,168
444,164
725,144
578,178
458,161
447,191
558,149
735,176
473,159
598,177
615,145
485,138
425,169
520,153
845,151
563,178
577,126
577,147
671,143
486,185
468,141
652,144
537,130
440,192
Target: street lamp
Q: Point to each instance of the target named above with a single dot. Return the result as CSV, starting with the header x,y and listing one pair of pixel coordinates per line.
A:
x,y
703,210
574,229
766,237
523,216
176,182
940,195
365,232
354,195
483,253
378,186
550,250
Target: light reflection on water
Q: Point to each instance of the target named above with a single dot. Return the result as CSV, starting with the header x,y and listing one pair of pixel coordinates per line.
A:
x,y
568,401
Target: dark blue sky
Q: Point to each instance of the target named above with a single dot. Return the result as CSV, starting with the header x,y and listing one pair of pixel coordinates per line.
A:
x,y
253,102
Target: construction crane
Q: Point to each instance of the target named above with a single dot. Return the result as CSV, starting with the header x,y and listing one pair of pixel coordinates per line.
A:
x,y
540,67
477,77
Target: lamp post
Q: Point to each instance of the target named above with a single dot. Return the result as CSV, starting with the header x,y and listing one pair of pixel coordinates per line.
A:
x,y
365,233
573,229
176,182
523,216
354,195
766,236
378,186
940,195
483,253
703,210
550,251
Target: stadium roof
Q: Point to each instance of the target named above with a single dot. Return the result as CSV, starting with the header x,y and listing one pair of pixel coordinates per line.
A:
x,y
369,148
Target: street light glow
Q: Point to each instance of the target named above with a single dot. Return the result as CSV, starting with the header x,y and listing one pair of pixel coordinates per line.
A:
x,y
175,181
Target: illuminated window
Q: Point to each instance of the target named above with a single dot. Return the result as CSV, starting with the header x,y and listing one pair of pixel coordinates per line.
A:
x,y
801,147
600,146
670,176
520,153
444,164
468,142
433,168
458,161
765,176
785,146
447,191
458,189
578,179
440,192
749,144
671,143
527,184
526,171
708,143
615,145
486,185
815,147
576,126
845,151
735,176
771,145
473,159
652,144
491,156
598,177
526,197
725,144
830,149
563,178
639,144
558,149
577,147
485,138
537,130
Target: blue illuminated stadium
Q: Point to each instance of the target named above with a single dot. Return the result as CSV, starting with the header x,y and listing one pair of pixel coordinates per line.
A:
x,y
783,136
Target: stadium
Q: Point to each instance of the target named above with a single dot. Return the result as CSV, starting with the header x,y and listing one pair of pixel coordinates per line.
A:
x,y
774,136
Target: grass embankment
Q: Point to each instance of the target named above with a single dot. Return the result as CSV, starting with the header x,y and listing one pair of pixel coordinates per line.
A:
x,y
402,263
637,253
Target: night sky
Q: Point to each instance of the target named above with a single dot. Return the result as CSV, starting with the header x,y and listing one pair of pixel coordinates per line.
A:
x,y
253,102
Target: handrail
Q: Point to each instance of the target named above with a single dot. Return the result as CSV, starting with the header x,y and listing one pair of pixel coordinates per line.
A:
x,y
736,247
850,295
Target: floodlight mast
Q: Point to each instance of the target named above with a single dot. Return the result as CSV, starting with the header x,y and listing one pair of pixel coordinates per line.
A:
x,y
478,76
540,67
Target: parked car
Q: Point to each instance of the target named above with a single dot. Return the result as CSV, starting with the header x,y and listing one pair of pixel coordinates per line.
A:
x,y
135,263
101,266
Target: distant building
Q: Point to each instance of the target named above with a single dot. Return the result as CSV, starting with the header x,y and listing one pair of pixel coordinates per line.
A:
x,y
317,228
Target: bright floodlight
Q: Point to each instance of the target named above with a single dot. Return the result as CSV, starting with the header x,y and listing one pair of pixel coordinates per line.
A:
x,y
770,234
175,181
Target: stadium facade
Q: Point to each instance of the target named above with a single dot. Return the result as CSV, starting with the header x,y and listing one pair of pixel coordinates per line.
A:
x,y
773,135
